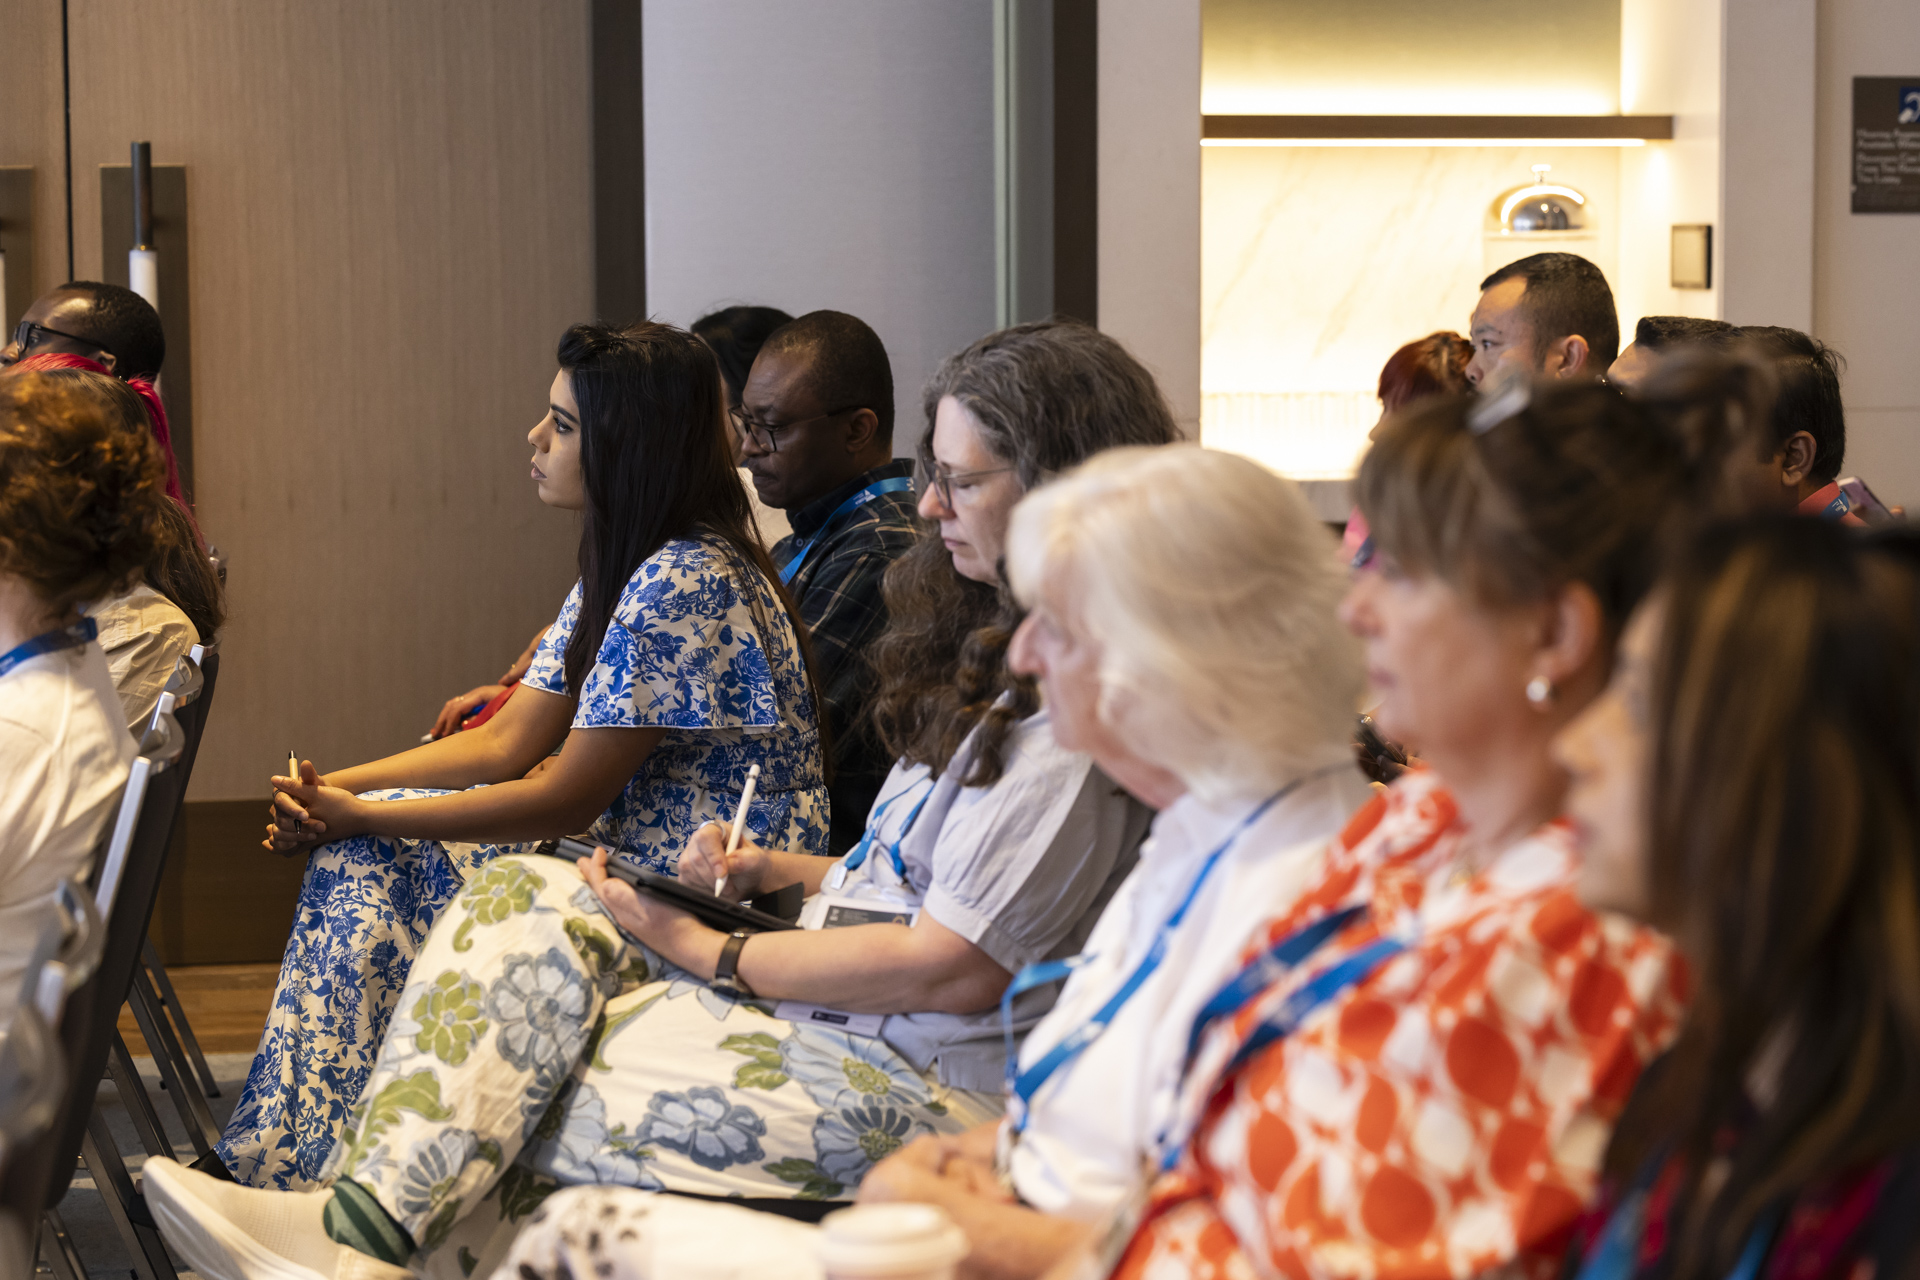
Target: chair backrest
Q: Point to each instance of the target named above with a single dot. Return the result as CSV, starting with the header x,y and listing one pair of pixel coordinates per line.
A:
x,y
81,944
32,1071
182,697
207,655
36,1089
160,755
126,885
34,1085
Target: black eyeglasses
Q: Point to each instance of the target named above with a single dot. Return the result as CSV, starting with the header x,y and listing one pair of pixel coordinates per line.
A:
x,y
945,477
27,334
765,435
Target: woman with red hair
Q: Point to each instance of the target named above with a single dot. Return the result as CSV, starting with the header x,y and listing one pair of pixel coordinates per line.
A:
x,y
176,604
1435,365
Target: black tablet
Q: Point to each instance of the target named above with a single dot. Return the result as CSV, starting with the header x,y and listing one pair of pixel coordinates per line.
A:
x,y
714,912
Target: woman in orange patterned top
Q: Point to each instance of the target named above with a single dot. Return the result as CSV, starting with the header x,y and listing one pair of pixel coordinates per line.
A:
x,y
1427,1093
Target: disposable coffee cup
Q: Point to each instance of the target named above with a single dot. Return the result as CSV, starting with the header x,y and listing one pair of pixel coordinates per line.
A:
x,y
891,1242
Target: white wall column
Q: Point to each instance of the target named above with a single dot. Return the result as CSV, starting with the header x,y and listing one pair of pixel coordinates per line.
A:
x,y
1767,166
1150,190
834,154
1668,67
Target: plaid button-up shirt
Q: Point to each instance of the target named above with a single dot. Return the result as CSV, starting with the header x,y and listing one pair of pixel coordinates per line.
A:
x,y
838,590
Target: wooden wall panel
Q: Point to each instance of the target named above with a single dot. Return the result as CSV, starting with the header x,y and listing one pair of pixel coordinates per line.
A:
x,y
390,215
30,126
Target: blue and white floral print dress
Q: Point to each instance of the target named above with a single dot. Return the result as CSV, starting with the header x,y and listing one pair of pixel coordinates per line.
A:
x,y
698,645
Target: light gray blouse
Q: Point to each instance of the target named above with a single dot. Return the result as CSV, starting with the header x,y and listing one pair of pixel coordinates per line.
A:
x,y
1021,869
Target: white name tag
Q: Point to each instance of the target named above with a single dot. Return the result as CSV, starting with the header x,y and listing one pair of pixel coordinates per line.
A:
x,y
828,912
813,1015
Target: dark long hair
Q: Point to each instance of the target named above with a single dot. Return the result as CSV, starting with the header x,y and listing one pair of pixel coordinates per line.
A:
x,y
1045,396
1784,851
184,575
656,466
736,335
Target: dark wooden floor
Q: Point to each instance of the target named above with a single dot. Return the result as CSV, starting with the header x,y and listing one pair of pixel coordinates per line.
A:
x,y
226,1003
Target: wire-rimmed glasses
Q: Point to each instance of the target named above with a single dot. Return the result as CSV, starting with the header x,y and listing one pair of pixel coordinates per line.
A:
x,y
765,435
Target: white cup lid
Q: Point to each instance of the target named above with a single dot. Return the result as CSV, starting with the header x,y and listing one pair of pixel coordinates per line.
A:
x,y
889,1239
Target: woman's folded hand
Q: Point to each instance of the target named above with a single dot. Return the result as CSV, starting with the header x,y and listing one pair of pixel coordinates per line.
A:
x,y
306,812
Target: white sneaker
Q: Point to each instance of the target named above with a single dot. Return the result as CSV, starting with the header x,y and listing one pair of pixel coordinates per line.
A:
x,y
229,1232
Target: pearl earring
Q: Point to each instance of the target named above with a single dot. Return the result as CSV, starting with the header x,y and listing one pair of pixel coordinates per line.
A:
x,y
1540,692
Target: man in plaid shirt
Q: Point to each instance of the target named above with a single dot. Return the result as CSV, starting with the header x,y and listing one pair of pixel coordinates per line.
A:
x,y
816,428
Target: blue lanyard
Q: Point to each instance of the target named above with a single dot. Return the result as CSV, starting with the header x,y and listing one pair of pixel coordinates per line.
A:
x,y
1616,1256
1022,1085
1259,974
1265,969
893,484
1283,1022
858,855
71,637
1839,507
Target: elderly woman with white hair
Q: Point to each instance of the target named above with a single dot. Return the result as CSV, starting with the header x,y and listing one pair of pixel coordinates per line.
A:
x,y
1181,621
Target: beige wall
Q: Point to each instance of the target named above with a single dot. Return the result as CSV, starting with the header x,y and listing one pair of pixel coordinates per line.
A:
x,y
390,225
30,124
1669,65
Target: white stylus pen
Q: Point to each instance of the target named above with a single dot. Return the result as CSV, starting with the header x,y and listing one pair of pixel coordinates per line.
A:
x,y
739,825
293,771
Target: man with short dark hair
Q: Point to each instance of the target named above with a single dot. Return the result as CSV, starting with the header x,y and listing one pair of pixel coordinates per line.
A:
x,y
816,428
1654,336
102,322
1549,315
1808,430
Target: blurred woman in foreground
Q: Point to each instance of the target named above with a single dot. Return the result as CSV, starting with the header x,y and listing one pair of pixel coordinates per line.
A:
x,y
1748,784
1425,1090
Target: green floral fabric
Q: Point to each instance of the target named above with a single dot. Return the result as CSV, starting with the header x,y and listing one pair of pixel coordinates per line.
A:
x,y
535,1047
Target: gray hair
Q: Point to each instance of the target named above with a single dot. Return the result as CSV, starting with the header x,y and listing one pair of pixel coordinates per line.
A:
x,y
1048,395
1211,590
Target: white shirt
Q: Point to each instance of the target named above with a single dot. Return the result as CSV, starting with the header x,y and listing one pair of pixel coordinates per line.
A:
x,y
1093,1122
143,634
772,521
64,756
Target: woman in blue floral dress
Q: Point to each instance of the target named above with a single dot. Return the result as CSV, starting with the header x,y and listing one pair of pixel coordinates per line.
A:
x,y
674,666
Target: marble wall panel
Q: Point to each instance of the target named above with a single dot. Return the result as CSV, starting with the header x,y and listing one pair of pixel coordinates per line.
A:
x,y
1317,262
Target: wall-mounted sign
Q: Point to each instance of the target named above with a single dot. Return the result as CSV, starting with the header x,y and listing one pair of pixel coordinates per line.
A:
x,y
1692,256
1886,144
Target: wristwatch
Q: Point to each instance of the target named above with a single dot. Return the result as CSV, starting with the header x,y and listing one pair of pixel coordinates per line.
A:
x,y
724,978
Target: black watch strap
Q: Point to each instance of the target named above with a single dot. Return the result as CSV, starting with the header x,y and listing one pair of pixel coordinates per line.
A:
x,y
724,975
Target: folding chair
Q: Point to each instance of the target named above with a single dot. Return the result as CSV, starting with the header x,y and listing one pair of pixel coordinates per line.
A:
x,y
33,1077
127,879
207,658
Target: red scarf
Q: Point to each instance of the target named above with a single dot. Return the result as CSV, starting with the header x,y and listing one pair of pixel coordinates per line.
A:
x,y
156,418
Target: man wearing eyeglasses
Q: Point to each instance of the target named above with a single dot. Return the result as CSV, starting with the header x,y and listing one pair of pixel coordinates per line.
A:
x,y
816,429
102,322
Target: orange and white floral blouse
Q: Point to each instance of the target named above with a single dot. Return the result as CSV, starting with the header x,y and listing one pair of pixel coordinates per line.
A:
x,y
1448,1114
